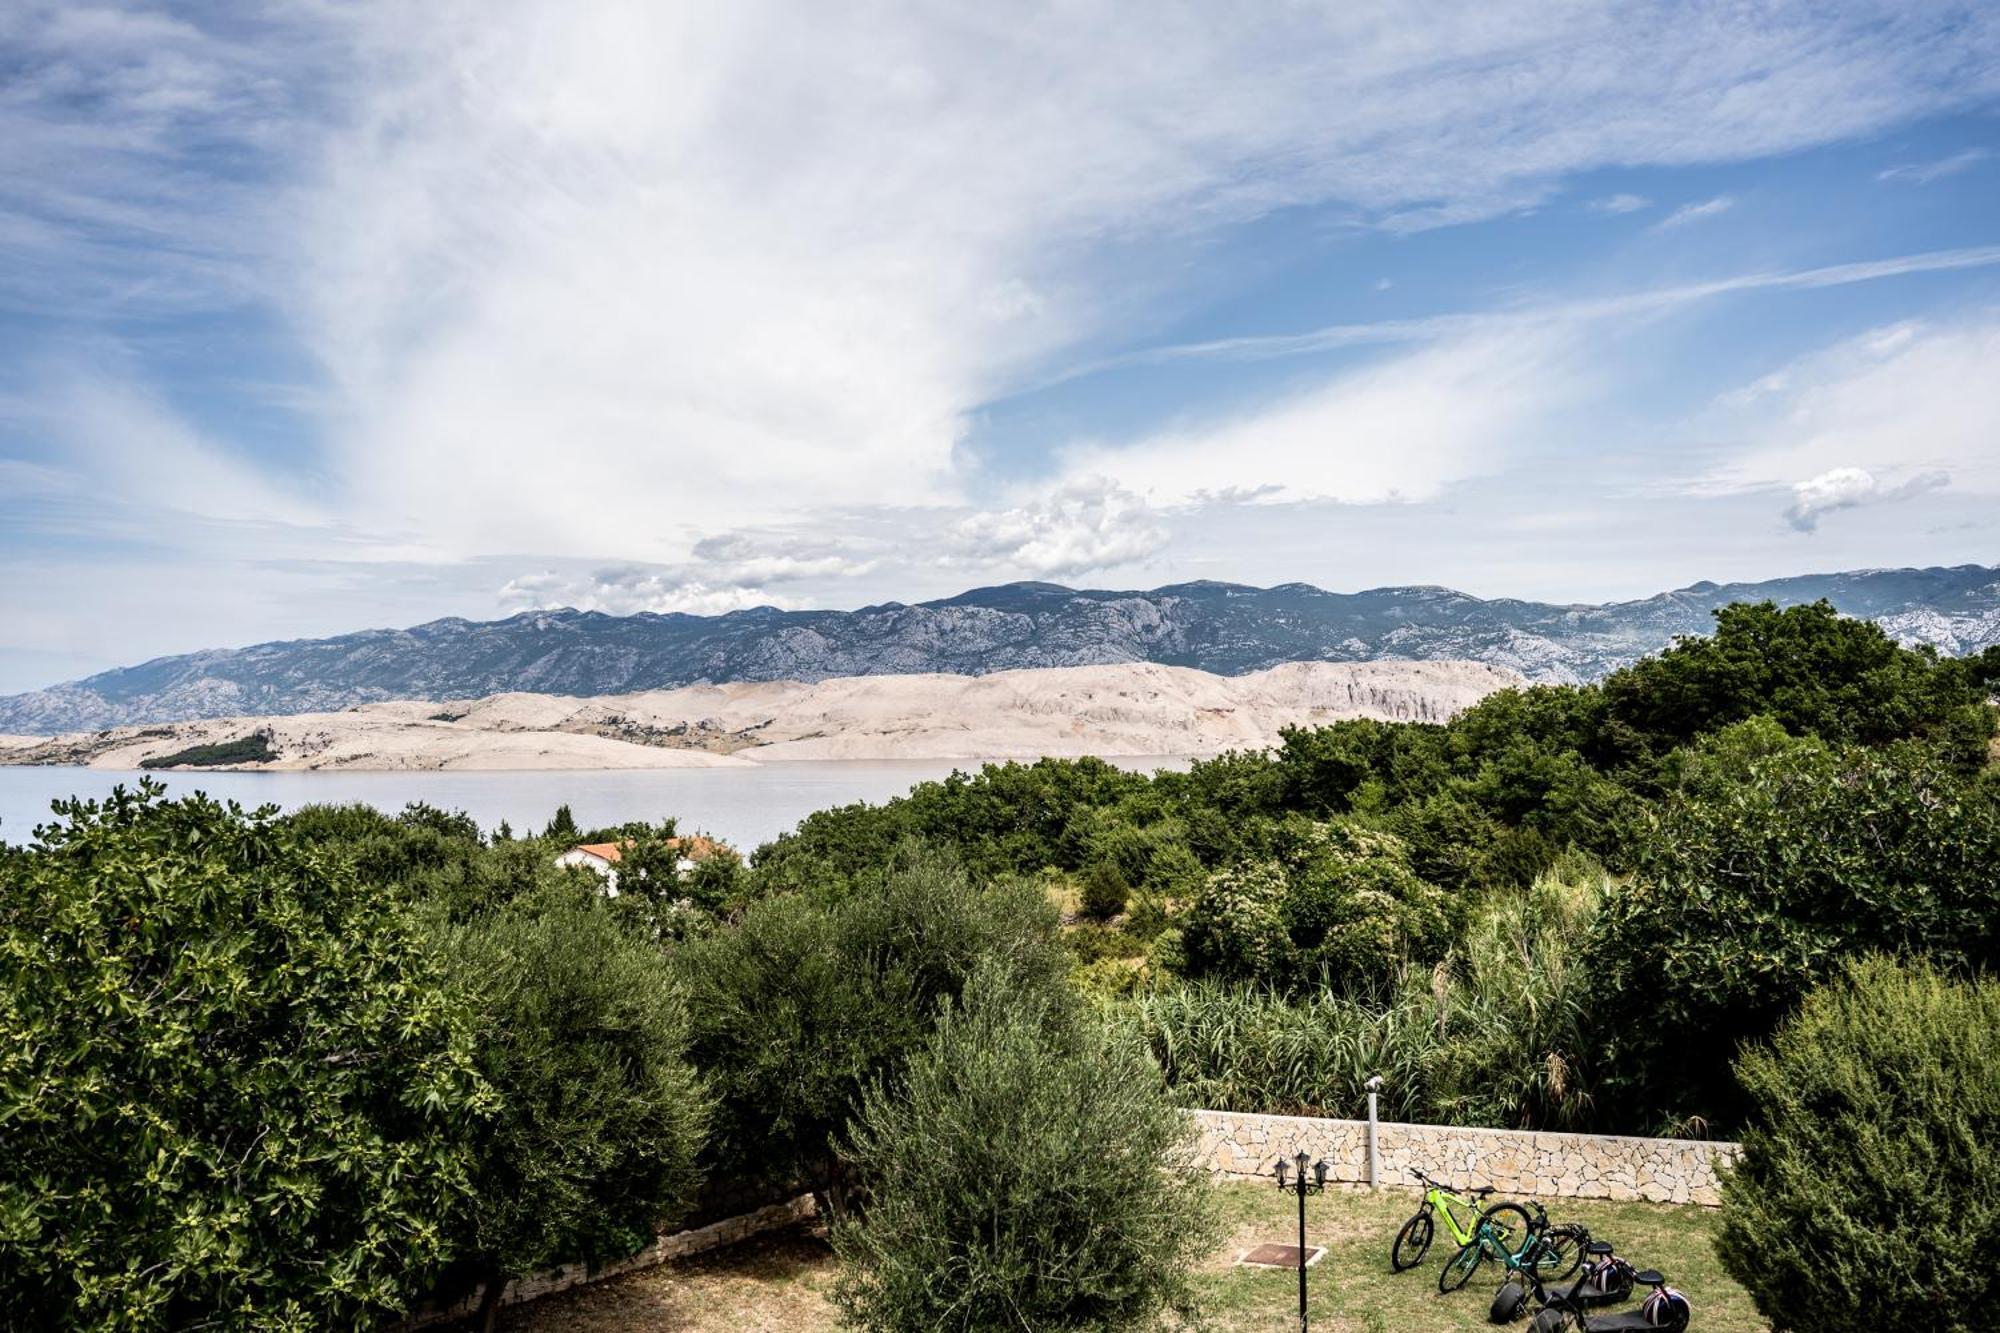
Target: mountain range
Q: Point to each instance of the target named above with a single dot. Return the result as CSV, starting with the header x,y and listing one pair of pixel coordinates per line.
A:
x,y
1224,628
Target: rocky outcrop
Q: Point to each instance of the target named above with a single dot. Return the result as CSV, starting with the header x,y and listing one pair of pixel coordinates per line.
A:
x,y
1224,628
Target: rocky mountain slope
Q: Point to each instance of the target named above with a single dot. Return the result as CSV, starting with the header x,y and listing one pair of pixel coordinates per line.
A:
x,y
1128,709
1218,627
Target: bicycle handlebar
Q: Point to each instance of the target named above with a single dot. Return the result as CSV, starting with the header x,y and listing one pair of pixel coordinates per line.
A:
x,y
1478,1192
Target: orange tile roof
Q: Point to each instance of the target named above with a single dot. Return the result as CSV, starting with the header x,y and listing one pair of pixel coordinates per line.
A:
x,y
697,848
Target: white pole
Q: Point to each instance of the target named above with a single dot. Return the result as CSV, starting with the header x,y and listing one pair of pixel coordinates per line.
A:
x,y
1374,1149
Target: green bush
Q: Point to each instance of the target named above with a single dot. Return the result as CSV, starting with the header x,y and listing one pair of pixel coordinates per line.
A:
x,y
1814,671
803,1002
1775,861
1868,1195
252,749
1105,891
600,1116
1332,903
235,1085
1026,1172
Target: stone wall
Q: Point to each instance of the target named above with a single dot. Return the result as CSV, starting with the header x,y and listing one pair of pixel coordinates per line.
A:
x,y
1517,1162
678,1245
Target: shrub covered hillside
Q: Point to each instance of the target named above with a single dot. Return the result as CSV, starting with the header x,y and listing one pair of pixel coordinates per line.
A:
x,y
1564,907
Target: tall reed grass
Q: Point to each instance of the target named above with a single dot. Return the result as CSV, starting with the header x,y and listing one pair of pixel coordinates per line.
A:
x,y
1497,1034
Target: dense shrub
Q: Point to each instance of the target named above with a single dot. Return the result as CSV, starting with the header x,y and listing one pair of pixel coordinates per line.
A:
x,y
252,749
1813,671
583,1039
1105,891
1024,1172
1332,902
421,852
1775,861
803,1002
1868,1195
1497,1034
234,1083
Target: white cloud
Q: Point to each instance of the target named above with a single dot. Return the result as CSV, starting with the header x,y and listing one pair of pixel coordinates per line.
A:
x,y
1907,400
1923,173
1850,488
1437,328
1087,525
1687,213
618,272
1619,203
624,592
728,572
1400,429
582,282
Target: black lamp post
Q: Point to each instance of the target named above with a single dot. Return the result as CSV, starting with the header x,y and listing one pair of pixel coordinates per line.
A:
x,y
1302,1187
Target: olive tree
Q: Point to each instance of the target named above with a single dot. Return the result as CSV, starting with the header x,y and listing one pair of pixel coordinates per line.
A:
x,y
1027,1170
799,1006
584,1035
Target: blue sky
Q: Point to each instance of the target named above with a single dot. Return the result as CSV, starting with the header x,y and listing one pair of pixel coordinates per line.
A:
x,y
359,315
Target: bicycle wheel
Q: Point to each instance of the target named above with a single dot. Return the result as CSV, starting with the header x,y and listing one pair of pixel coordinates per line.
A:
x,y
1413,1242
1562,1251
1462,1266
1506,1227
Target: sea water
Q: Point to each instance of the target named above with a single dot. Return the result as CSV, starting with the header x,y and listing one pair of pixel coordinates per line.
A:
x,y
742,806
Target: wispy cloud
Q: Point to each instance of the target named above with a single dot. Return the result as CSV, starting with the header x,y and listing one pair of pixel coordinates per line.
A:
x,y
1908,400
1619,203
1687,213
574,282
1850,488
1333,337
1402,429
1923,173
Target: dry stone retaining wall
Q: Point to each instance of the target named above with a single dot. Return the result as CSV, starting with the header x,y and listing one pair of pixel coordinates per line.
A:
x,y
678,1245
1517,1162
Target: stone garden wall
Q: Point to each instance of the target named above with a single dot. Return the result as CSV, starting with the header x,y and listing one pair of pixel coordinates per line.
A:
x,y
1517,1162
678,1245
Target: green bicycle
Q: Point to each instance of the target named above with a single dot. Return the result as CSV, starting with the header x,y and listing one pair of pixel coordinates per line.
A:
x,y
1521,1242
1460,1211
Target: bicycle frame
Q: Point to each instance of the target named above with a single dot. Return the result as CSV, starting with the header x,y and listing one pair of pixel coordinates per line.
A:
x,y
1460,1223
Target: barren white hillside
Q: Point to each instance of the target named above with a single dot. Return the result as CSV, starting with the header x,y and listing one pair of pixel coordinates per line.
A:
x,y
1127,709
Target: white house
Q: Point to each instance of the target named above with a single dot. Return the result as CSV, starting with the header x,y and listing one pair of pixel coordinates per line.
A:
x,y
603,857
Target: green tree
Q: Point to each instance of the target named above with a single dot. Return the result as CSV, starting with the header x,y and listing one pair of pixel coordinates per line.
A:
x,y
235,1084
1331,902
1026,1171
1773,862
1813,671
803,1002
562,827
1869,1188
600,1115
1105,891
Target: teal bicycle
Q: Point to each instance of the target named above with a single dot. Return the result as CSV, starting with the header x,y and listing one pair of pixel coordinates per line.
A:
x,y
1520,1241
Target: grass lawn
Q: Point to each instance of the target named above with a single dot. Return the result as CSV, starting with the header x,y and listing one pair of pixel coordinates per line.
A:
x,y
779,1283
